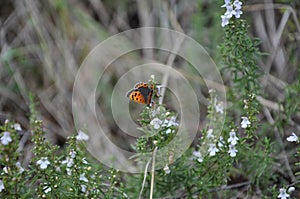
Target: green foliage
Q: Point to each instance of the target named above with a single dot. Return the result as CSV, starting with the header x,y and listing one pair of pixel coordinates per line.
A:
x,y
230,158
11,175
158,126
240,55
53,172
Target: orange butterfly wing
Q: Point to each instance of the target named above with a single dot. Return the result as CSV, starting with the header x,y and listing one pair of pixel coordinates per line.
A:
x,y
137,96
141,93
141,85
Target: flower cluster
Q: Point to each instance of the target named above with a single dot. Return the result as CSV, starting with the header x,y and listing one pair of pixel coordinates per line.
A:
x,y
282,191
82,175
69,161
283,194
212,138
168,123
53,172
198,156
232,140
6,138
216,105
232,9
219,107
214,148
12,169
159,126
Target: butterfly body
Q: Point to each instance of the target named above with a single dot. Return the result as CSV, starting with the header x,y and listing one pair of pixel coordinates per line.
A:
x,y
141,93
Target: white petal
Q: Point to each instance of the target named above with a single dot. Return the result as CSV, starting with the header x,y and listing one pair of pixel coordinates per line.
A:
x,y
291,189
48,190
82,136
83,188
292,138
17,127
1,186
167,169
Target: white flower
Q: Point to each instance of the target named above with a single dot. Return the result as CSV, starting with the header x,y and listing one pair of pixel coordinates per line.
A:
x,y
156,123
291,189
155,112
229,12
210,91
58,169
172,122
72,154
84,161
232,138
198,156
283,194
237,13
245,123
1,186
83,188
232,150
237,4
227,3
69,161
83,178
210,134
165,123
17,127
69,171
21,169
82,136
43,162
225,20
292,138
231,9
47,189
219,108
5,170
167,169
212,150
6,139
221,142
168,131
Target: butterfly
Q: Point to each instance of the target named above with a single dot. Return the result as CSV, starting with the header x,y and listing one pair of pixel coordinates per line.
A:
x,y
141,93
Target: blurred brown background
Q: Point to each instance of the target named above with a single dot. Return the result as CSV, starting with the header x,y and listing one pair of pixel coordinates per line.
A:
x,y
43,43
